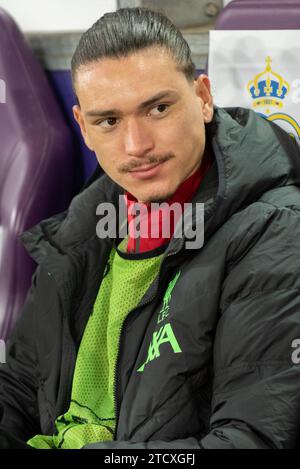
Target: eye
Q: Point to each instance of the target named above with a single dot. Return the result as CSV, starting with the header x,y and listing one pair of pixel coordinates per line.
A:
x,y
107,123
159,109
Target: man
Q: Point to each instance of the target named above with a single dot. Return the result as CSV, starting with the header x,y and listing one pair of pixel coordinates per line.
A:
x,y
151,341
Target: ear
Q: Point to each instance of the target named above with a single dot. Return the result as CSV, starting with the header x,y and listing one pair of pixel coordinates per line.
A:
x,y
78,116
203,91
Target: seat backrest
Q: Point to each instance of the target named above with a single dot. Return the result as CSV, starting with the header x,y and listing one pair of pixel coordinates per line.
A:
x,y
259,14
35,163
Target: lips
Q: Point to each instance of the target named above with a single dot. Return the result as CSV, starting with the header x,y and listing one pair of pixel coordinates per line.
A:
x,y
145,168
146,172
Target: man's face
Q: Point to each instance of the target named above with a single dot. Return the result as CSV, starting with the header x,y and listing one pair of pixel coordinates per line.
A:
x,y
144,120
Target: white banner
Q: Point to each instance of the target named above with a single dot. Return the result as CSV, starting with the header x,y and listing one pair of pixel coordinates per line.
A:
x,y
258,70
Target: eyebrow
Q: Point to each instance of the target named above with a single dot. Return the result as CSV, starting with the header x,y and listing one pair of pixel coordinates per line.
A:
x,y
142,106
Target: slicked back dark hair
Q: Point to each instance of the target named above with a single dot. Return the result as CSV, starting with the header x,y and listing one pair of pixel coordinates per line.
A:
x,y
128,30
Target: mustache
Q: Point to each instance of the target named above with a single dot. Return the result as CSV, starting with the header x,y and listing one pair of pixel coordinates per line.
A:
x,y
150,160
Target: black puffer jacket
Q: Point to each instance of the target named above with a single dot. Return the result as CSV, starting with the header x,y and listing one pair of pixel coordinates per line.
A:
x,y
234,310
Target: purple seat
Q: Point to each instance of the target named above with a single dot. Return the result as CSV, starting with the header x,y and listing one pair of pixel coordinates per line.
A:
x,y
36,161
260,14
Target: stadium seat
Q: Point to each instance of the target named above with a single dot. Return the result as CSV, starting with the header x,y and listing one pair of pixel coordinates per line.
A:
x,y
260,14
36,161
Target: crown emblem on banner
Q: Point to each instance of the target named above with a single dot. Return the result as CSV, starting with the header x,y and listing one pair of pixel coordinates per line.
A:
x,y
268,88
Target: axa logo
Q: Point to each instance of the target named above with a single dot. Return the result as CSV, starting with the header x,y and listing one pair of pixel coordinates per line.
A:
x,y
165,334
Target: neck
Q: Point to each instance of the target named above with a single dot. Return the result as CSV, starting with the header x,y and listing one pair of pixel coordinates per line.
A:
x,y
148,226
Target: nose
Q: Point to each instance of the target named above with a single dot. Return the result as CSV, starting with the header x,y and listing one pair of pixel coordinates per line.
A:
x,y
138,138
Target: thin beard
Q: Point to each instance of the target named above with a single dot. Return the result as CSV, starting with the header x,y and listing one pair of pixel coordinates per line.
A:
x,y
159,200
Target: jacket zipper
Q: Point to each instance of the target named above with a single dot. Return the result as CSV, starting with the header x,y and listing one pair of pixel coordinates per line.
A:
x,y
117,398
